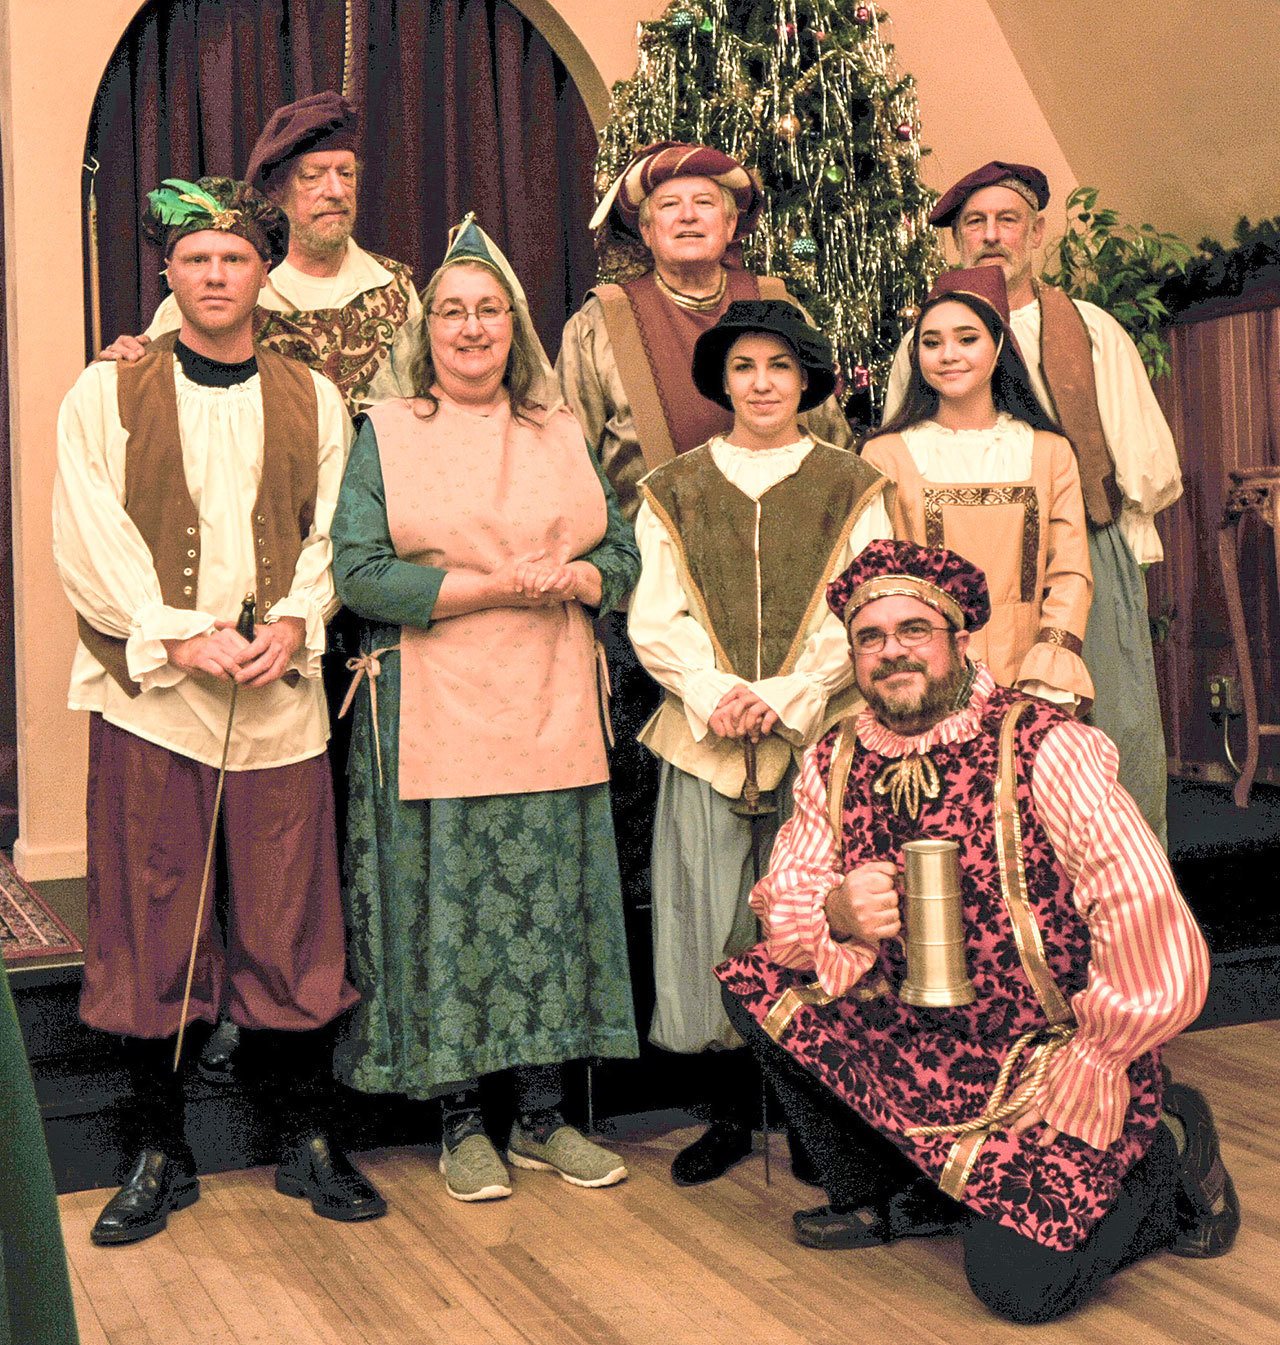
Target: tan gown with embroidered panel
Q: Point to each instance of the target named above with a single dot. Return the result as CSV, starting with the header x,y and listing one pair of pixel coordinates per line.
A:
x,y
1008,499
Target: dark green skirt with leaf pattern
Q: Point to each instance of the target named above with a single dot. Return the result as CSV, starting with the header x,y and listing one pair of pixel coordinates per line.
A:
x,y
483,933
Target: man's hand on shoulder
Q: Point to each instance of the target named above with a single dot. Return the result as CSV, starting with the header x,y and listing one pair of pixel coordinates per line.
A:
x,y
865,905
126,349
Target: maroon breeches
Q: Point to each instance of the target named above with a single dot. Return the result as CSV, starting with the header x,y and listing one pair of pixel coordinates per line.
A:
x,y
282,964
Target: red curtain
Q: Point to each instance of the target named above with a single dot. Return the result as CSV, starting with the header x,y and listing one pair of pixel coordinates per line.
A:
x,y
8,692
465,108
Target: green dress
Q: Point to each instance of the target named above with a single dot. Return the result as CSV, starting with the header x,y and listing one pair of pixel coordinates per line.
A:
x,y
483,933
35,1292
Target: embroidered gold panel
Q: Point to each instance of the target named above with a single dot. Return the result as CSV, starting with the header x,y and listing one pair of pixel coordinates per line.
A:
x,y
936,498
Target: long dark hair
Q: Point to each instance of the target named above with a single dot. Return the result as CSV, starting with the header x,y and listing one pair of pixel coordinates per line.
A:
x,y
1011,389
523,365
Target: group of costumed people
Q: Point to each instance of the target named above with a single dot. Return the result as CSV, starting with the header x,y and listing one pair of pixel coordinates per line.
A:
x,y
682,482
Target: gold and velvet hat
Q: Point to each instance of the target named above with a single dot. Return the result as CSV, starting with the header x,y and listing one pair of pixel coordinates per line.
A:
x,y
944,580
177,208
655,164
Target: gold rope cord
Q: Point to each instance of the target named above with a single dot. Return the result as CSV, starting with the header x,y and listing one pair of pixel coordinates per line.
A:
x,y
348,52
1000,1108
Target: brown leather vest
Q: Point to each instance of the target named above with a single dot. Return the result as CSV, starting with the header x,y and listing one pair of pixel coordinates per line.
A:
x,y
803,521
157,500
1066,361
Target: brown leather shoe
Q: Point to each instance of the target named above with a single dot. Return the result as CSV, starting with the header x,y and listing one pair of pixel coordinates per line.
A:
x,y
157,1184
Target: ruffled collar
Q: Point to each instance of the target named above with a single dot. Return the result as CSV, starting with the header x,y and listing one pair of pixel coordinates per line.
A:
x,y
955,728
1005,427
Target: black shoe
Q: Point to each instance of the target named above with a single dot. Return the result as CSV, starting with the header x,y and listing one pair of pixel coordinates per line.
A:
x,y
712,1154
1208,1207
922,1211
315,1170
218,1059
157,1184
831,1229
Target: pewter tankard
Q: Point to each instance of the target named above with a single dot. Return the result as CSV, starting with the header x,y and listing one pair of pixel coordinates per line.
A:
x,y
937,977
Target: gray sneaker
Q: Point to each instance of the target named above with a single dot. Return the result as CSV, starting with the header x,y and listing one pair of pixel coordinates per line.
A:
x,y
473,1171
568,1152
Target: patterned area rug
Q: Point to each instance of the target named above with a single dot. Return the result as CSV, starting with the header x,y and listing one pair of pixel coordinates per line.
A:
x,y
28,928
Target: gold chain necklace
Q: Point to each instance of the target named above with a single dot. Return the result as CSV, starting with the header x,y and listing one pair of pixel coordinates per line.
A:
x,y
696,303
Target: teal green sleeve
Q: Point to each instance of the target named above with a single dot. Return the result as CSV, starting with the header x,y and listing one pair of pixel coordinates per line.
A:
x,y
371,579
616,556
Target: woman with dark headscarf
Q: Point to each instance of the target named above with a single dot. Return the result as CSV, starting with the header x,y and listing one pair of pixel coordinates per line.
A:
x,y
486,918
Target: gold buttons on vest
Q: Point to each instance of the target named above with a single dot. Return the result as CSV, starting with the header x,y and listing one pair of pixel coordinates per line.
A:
x,y
191,532
261,518
188,572
187,590
192,554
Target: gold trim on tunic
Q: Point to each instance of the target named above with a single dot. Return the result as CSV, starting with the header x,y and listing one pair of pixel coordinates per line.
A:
x,y
907,782
1064,639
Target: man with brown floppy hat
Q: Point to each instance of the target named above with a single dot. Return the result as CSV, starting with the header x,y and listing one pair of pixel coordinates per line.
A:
x,y
329,303
1089,377
679,212
204,471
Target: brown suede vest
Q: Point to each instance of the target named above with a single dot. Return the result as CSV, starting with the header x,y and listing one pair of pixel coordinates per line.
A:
x,y
156,497
1066,360
804,520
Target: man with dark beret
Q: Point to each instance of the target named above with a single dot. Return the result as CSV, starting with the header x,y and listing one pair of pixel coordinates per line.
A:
x,y
204,471
1089,376
1018,1100
329,303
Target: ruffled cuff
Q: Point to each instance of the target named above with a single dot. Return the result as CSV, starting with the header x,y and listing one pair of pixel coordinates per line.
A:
x,y
144,651
1086,1094
840,966
1054,660
700,693
1139,530
307,660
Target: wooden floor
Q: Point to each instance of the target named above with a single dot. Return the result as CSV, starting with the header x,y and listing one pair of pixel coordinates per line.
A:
x,y
646,1263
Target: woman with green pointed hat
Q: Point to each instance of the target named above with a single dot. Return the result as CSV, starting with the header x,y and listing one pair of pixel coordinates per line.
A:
x,y
483,898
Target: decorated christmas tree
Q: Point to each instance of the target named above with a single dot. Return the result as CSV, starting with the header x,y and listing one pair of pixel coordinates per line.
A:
x,y
806,92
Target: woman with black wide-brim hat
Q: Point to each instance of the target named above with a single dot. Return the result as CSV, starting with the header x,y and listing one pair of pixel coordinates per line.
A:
x,y
738,539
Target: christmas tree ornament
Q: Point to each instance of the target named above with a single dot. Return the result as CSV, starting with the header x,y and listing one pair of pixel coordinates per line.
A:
x,y
603,181
909,312
804,249
904,130
860,379
682,22
706,26
862,15
787,127
834,173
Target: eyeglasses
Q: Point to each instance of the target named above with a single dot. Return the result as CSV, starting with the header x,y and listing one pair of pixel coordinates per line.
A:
x,y
910,635
490,313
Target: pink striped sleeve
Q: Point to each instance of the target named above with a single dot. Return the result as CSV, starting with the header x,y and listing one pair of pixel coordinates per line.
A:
x,y
790,899
1148,963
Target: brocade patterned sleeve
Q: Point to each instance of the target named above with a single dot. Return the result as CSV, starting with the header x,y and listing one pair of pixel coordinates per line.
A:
x,y
616,555
1148,963
371,579
790,900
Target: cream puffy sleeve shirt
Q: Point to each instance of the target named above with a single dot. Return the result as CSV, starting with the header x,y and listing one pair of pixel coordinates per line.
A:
x,y
107,571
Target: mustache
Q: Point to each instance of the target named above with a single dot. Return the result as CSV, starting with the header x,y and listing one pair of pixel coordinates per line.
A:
x,y
902,664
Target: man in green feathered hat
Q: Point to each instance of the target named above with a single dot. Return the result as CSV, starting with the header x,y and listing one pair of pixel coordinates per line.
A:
x,y
205,471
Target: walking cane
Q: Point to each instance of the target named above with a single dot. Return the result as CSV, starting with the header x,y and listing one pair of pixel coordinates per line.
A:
x,y
753,807
244,627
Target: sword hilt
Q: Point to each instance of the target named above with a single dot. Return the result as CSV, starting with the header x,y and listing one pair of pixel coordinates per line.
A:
x,y
248,617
